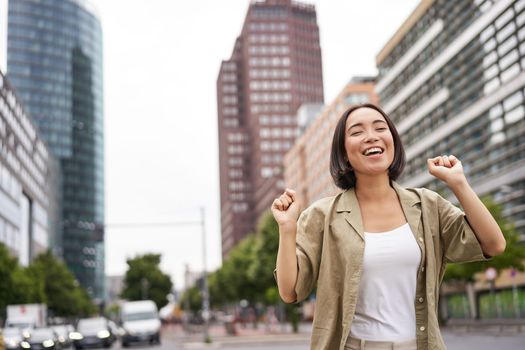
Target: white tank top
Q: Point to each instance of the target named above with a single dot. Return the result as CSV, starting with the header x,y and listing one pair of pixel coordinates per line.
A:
x,y
385,308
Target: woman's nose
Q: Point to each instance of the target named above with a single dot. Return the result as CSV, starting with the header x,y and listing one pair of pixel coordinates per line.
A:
x,y
371,137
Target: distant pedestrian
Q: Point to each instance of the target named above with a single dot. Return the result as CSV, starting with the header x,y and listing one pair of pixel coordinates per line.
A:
x,y
377,251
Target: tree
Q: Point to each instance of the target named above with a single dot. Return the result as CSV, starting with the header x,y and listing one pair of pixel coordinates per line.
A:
x,y
513,256
8,264
265,256
145,280
27,287
192,298
64,295
45,280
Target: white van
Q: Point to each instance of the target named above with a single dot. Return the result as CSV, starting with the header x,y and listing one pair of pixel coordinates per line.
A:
x,y
140,322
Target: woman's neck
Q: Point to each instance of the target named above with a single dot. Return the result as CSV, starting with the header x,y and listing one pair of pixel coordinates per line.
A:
x,y
373,188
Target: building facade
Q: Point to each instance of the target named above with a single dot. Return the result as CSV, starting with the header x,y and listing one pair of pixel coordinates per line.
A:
x,y
274,68
54,61
28,173
453,80
307,163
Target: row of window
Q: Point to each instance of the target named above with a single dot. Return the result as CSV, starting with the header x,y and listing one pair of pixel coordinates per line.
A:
x,y
271,97
265,119
9,183
270,171
275,145
269,50
229,99
268,38
265,108
9,235
238,185
12,119
236,137
229,77
236,149
270,27
269,73
229,88
227,111
230,122
278,132
271,159
270,85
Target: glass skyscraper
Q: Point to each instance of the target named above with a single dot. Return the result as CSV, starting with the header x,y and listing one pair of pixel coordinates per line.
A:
x,y
54,62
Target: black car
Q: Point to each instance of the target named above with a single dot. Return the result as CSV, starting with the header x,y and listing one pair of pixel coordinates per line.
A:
x,y
41,339
93,332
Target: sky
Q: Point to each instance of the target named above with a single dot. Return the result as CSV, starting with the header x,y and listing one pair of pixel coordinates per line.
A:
x,y
161,60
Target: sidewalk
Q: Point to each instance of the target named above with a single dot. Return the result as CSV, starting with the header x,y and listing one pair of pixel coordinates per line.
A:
x,y
247,334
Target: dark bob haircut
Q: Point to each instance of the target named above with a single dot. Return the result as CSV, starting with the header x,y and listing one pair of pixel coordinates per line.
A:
x,y
342,172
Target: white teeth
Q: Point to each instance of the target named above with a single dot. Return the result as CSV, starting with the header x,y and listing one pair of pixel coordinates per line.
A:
x,y
373,149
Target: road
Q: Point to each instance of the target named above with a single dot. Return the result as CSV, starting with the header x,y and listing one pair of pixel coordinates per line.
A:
x,y
453,341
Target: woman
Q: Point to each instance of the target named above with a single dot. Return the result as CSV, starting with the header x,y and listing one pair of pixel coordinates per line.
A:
x,y
377,252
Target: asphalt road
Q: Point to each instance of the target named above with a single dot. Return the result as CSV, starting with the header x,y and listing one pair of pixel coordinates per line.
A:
x,y
454,342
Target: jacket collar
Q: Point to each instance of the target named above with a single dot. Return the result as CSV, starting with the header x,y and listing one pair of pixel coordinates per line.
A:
x,y
349,206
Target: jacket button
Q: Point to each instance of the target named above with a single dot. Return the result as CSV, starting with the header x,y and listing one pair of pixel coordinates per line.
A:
x,y
422,328
421,239
422,269
421,299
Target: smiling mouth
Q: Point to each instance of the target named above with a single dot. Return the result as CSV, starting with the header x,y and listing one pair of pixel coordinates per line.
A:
x,y
373,151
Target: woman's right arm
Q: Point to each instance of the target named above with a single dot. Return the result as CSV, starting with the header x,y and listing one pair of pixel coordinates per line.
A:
x,y
285,210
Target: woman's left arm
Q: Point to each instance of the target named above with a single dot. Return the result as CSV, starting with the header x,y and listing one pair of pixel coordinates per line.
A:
x,y
450,170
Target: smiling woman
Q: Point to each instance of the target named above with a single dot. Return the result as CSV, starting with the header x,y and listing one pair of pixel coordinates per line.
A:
x,y
377,251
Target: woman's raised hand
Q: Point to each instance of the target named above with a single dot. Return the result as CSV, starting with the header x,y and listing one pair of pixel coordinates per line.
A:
x,y
285,209
446,168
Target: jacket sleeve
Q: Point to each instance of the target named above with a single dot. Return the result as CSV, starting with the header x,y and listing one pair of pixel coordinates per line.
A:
x,y
309,241
460,243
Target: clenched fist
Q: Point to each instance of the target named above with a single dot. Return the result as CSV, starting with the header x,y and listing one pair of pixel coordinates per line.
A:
x,y
285,209
446,168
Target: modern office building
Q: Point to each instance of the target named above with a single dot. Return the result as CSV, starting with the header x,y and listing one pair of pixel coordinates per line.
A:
x,y
28,173
453,80
307,163
54,61
274,68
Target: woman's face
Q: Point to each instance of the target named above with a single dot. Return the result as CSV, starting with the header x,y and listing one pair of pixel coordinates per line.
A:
x,y
368,142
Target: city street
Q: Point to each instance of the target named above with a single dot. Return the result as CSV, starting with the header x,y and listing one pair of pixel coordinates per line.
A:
x,y
454,341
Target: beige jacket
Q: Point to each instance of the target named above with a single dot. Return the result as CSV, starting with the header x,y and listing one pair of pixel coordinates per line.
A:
x,y
330,246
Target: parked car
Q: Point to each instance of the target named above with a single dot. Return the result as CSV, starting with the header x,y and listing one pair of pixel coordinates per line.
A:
x,y
64,331
93,332
41,338
12,338
140,322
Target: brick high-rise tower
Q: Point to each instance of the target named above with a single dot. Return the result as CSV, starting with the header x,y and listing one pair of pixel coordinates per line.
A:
x,y
274,68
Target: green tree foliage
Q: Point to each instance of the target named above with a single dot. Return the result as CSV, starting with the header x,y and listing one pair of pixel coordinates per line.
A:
x,y
265,256
46,280
28,287
513,256
8,264
64,295
191,298
145,280
247,272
